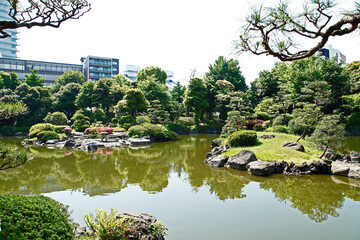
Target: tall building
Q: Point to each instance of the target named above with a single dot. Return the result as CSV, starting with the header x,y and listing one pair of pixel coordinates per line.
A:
x,y
8,46
47,70
129,71
95,68
331,53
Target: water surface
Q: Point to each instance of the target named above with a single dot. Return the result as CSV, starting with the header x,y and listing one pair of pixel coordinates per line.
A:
x,y
170,181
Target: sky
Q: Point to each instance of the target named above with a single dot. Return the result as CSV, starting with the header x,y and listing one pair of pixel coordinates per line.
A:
x,y
171,34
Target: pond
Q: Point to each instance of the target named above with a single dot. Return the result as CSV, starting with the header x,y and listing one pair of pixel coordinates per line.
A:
x,y
170,181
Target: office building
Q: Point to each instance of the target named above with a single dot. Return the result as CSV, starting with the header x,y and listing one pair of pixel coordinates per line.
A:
x,y
129,71
95,68
331,53
47,70
8,46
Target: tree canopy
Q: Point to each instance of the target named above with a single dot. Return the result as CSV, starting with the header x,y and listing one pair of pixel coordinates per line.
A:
x,y
278,30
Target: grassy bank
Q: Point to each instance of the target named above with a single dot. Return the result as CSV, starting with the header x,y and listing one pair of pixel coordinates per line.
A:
x,y
271,149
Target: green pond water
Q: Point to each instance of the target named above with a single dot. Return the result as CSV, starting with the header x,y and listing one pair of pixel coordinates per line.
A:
x,y
170,181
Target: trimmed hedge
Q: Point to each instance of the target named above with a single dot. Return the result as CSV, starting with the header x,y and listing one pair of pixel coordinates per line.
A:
x,y
159,132
34,217
187,121
34,133
177,127
60,128
136,131
242,138
47,135
258,127
42,127
142,119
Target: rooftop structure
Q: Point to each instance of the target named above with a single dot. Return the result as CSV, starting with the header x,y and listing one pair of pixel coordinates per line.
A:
x,y
129,71
95,68
8,46
48,70
331,53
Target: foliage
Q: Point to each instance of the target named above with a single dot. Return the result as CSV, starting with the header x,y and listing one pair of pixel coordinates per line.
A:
x,y
119,129
353,71
195,97
9,80
34,133
107,87
127,119
64,100
47,135
11,130
158,229
11,157
34,79
158,113
134,102
177,127
242,138
34,217
70,77
155,72
42,127
178,92
278,30
278,129
159,132
187,121
353,121
137,131
85,98
10,110
106,226
142,119
228,70
258,128
56,118
60,128
234,123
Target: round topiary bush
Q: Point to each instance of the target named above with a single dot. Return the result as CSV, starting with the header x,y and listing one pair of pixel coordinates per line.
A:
x,y
34,133
142,119
34,217
258,127
42,127
47,135
56,118
159,132
137,131
187,121
278,129
242,138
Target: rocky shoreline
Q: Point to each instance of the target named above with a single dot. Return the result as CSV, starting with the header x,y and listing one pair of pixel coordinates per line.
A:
x,y
347,165
79,141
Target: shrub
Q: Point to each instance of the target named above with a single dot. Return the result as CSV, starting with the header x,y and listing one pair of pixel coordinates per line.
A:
x,y
42,127
34,133
127,121
56,118
142,119
177,127
242,138
258,127
187,121
119,129
278,129
114,120
98,115
47,135
33,217
279,120
353,121
79,115
262,115
159,132
98,130
136,130
60,129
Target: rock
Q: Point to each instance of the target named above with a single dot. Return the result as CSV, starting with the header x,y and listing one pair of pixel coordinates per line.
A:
x,y
355,156
332,156
218,150
266,136
53,141
240,160
208,155
215,143
294,145
261,168
69,143
92,147
139,141
80,231
346,169
280,166
217,161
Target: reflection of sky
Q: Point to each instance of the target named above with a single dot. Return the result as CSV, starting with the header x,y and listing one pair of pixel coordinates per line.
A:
x,y
200,215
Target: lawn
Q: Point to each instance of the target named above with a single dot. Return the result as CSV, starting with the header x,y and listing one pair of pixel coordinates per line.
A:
x,y
271,149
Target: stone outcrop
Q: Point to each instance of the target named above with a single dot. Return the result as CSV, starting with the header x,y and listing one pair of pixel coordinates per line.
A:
x,y
307,169
241,160
217,161
261,168
355,156
270,136
294,145
346,169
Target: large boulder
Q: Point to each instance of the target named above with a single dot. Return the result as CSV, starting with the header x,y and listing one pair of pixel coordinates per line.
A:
x,y
261,168
92,147
346,169
355,156
217,161
69,143
240,160
294,145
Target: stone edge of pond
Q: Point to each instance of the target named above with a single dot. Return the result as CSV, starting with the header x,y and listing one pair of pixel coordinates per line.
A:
x,y
347,165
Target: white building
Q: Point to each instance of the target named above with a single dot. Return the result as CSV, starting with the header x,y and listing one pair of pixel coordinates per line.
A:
x,y
8,46
329,52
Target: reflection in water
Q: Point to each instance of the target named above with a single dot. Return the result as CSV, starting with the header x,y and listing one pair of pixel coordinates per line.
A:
x,y
111,170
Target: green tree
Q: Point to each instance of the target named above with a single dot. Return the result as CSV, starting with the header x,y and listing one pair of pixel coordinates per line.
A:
x,y
228,70
9,80
107,87
353,71
153,90
34,79
328,132
64,100
279,30
56,118
10,110
85,98
234,123
195,97
178,92
122,80
70,77
8,96
155,72
134,102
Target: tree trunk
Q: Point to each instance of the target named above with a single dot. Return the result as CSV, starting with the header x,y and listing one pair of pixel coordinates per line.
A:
x,y
322,155
303,134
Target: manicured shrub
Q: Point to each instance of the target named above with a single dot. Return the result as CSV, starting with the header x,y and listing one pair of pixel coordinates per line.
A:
x,y
33,217
159,132
177,127
119,129
262,116
34,133
242,138
80,115
136,131
47,135
98,130
56,118
127,121
142,119
60,129
258,127
279,120
278,129
114,120
42,127
98,115
80,125
187,121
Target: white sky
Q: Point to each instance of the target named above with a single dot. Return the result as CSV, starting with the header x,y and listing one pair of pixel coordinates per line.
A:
x,y
171,34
